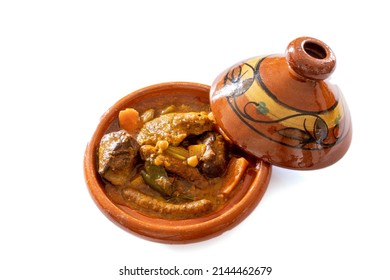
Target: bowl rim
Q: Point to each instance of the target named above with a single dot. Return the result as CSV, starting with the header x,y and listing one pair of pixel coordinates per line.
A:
x,y
156,229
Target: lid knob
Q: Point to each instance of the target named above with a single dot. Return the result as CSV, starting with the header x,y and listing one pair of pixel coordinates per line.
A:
x,y
310,58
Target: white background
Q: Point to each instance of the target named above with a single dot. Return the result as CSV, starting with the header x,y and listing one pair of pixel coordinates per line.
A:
x,y
63,63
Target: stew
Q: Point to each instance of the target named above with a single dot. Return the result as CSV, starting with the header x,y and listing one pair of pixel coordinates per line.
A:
x,y
169,161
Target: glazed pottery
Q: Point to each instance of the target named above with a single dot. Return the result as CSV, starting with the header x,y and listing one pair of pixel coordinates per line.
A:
x,y
235,209
282,109
278,109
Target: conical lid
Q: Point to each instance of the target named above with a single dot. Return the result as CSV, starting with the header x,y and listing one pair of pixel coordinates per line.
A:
x,y
282,108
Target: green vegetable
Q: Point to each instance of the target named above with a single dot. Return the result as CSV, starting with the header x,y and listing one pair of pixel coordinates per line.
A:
x,y
157,178
147,115
168,109
178,152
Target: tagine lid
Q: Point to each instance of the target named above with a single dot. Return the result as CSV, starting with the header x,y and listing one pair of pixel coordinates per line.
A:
x,y
283,109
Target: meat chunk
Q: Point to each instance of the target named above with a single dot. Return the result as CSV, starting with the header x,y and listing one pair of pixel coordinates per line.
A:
x,y
174,127
214,160
117,156
163,209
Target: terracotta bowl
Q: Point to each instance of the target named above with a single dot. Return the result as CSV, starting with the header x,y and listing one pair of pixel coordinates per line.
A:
x,y
235,210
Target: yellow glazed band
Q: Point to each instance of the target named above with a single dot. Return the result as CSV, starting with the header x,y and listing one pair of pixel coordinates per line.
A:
x,y
277,111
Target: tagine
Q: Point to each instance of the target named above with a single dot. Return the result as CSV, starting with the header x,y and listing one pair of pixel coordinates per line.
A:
x,y
182,162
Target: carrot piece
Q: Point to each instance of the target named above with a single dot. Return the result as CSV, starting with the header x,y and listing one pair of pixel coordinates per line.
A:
x,y
129,120
235,172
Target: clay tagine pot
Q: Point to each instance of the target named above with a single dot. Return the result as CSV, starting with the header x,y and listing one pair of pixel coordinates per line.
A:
x,y
277,109
238,206
282,109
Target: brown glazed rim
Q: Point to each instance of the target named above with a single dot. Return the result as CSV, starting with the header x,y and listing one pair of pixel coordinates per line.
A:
x,y
310,58
170,231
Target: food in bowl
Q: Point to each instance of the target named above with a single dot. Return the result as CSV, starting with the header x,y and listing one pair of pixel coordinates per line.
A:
x,y
166,159
238,191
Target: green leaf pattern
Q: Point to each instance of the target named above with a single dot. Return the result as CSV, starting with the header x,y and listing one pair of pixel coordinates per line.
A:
x,y
262,108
